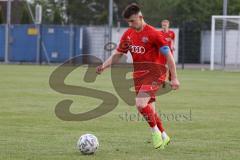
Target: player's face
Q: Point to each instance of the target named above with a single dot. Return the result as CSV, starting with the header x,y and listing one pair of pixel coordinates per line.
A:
x,y
135,22
165,25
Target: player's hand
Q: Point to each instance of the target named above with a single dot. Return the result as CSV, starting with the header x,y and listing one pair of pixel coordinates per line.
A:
x,y
175,84
99,69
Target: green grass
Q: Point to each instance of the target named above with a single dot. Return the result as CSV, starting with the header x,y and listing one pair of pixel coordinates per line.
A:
x,y
29,128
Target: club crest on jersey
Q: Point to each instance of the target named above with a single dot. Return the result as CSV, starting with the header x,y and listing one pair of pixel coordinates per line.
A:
x,y
144,39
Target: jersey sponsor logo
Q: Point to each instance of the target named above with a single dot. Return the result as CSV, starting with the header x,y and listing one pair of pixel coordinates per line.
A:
x,y
137,49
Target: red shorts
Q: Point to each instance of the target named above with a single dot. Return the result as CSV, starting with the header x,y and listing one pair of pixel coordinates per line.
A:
x,y
148,78
150,88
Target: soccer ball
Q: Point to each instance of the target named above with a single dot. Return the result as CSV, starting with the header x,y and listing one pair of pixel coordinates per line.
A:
x,y
88,144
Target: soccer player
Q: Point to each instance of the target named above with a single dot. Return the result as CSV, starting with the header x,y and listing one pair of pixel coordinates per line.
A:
x,y
168,34
147,46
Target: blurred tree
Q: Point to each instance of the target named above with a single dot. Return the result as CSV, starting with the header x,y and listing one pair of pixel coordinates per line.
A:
x,y
157,10
95,12
198,12
234,7
87,12
25,18
1,16
57,19
52,11
46,10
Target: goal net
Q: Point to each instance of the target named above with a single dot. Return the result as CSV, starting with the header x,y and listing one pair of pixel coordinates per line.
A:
x,y
225,43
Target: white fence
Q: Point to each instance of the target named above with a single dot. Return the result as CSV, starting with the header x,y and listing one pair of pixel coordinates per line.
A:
x,y
232,47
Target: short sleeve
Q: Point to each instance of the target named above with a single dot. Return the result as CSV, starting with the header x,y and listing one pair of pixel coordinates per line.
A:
x,y
161,43
124,43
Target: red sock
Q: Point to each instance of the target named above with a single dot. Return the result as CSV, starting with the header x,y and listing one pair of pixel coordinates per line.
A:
x,y
148,114
159,122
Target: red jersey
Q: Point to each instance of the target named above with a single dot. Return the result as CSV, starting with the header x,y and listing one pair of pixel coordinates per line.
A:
x,y
169,37
144,46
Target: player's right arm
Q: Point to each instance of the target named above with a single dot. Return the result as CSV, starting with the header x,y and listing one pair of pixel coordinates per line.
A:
x,y
117,54
114,58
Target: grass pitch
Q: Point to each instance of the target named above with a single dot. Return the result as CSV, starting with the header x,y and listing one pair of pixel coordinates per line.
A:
x,y
202,118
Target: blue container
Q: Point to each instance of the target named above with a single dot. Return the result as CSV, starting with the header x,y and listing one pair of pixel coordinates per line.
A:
x,y
59,43
56,43
23,43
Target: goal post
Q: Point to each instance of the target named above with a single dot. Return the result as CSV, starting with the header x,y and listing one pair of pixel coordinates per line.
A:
x,y
225,42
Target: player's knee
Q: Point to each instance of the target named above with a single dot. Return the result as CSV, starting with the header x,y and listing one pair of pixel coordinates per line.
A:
x,y
139,103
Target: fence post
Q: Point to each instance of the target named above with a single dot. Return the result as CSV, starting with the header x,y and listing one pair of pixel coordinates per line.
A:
x,y
71,41
39,41
7,31
183,45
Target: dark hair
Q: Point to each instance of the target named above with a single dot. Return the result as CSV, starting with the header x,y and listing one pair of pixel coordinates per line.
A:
x,y
131,9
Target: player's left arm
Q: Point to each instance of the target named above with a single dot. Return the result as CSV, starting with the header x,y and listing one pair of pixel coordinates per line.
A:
x,y
165,50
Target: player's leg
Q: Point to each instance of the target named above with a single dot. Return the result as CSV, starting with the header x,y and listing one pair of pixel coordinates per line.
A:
x,y
151,102
157,118
165,137
147,111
